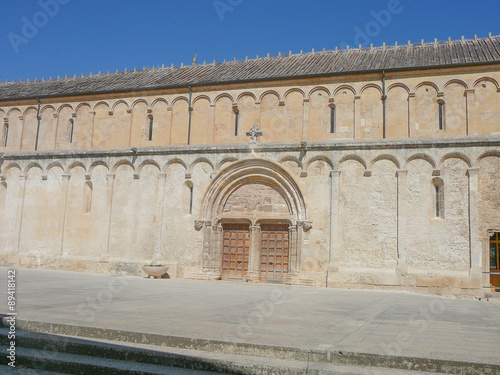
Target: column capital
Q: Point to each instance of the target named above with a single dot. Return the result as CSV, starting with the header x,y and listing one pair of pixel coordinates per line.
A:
x,y
66,176
402,172
335,173
305,224
255,228
199,224
472,172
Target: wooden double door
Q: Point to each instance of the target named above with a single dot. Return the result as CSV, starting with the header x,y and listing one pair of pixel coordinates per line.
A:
x,y
274,251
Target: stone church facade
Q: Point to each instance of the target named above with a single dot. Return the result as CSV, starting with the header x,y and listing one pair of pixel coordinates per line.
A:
x,y
366,168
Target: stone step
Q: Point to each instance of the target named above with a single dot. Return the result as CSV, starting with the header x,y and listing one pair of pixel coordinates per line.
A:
x,y
7,370
44,360
110,350
320,355
38,349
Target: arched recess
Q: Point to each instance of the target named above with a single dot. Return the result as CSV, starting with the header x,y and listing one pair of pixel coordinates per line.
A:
x,y
371,107
180,121
485,113
15,129
293,164
426,110
248,113
202,121
456,108
344,111
319,114
422,156
397,112
272,118
456,155
255,173
255,170
224,123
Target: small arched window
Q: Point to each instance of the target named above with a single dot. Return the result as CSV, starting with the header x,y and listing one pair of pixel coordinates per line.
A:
x,y
441,114
87,197
332,118
71,127
151,125
438,187
3,195
236,119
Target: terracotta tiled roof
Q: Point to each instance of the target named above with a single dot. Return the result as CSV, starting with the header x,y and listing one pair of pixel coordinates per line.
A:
x,y
402,57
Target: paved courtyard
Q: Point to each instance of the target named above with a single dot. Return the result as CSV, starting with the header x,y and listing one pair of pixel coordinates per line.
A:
x,y
378,322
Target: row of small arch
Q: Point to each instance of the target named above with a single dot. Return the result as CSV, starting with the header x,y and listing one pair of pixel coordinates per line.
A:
x,y
217,167
331,94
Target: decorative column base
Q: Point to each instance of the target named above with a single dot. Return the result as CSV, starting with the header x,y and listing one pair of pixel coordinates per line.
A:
x,y
253,276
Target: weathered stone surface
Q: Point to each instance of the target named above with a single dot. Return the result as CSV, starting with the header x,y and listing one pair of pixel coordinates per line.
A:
x,y
361,208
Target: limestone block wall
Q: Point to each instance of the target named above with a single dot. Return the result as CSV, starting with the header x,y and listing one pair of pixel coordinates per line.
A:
x,y
286,111
371,206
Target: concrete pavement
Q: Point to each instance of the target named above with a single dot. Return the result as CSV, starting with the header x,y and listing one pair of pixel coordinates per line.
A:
x,y
375,322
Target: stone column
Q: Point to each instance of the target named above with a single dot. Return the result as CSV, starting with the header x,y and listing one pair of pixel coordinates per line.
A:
x,y
401,219
412,114
129,113
20,209
255,248
54,140
294,251
356,133
211,130
216,251
21,119
168,141
110,178
207,237
305,119
334,257
92,126
469,107
62,213
160,199
474,236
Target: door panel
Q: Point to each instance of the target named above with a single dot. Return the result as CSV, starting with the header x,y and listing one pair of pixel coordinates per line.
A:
x,y
274,252
235,250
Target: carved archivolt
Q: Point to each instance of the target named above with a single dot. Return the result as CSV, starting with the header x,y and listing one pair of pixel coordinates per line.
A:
x,y
252,171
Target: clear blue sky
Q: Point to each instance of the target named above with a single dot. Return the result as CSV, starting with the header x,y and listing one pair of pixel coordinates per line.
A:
x,y
85,36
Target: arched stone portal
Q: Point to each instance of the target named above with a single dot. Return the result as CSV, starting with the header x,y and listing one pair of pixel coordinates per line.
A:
x,y
253,215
